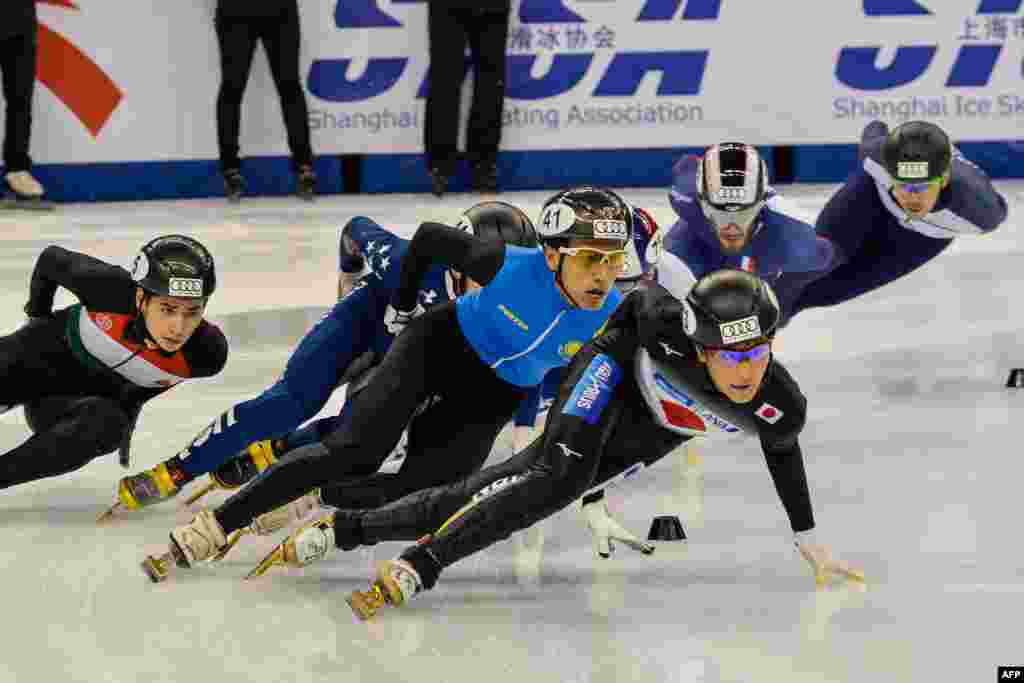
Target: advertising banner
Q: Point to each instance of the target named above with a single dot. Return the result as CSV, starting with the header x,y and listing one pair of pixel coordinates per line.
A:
x,y
138,81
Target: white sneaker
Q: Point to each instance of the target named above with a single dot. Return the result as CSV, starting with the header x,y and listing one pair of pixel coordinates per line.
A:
x,y
22,183
200,539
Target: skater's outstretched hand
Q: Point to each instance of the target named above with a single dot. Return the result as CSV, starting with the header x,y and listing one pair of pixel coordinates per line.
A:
x,y
606,530
822,563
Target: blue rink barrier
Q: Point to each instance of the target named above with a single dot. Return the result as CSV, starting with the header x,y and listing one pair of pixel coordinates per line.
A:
x,y
532,170
535,170
153,180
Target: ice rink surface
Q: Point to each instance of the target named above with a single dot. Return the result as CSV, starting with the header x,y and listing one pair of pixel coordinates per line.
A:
x,y
913,450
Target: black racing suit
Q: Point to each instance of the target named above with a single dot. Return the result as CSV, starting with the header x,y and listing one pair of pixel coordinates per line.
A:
x,y
84,372
600,425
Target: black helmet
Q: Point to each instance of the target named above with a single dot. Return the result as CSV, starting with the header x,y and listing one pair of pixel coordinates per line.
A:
x,y
175,265
729,307
586,212
500,221
917,151
732,183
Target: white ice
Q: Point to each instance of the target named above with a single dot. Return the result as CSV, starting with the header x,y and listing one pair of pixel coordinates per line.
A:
x,y
911,449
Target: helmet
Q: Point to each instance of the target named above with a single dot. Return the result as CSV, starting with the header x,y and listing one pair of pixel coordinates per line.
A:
x,y
642,256
917,151
732,183
587,213
500,221
729,307
175,265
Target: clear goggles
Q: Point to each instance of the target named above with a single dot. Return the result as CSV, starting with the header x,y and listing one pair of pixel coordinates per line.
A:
x,y
591,257
733,358
722,217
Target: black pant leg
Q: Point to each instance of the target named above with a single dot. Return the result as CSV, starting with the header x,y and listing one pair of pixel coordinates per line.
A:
x,y
236,38
69,432
430,357
281,38
487,39
447,36
447,442
18,70
424,511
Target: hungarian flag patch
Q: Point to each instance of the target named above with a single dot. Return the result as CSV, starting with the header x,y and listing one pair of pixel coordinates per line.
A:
x,y
769,413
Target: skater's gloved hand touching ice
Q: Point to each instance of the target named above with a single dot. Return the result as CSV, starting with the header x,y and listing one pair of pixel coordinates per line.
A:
x,y
821,560
606,530
395,320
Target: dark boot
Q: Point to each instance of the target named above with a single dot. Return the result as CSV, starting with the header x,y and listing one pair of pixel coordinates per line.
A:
x,y
485,178
234,185
306,182
438,182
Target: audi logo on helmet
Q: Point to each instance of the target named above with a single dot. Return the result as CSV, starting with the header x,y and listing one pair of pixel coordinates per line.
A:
x,y
185,286
740,330
731,195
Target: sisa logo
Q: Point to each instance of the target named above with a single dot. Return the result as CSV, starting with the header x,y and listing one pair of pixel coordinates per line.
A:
x,y
73,78
545,25
857,67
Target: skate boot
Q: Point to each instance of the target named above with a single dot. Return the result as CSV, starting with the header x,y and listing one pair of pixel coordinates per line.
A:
x,y
26,192
307,545
438,182
149,487
234,185
305,182
396,583
241,469
275,520
197,541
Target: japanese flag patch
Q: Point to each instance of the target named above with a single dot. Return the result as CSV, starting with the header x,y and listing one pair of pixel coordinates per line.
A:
x,y
769,413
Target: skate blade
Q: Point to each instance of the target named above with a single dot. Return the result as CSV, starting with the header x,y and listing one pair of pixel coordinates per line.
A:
x,y
365,605
276,557
233,540
111,514
200,493
158,568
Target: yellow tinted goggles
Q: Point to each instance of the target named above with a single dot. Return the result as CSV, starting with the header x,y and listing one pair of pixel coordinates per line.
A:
x,y
591,258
